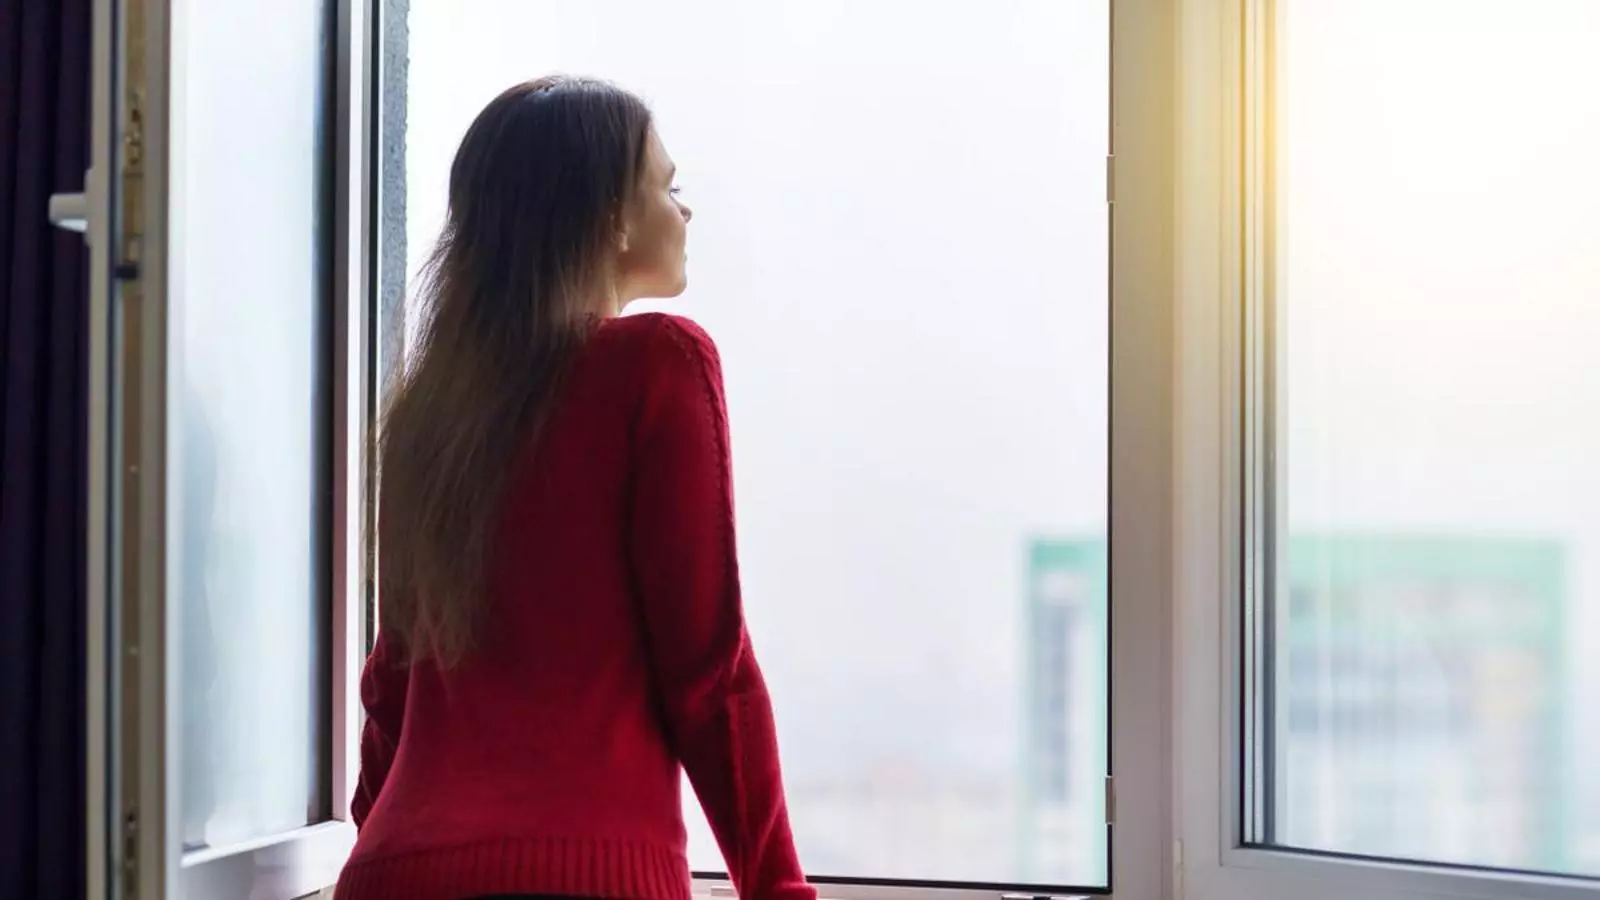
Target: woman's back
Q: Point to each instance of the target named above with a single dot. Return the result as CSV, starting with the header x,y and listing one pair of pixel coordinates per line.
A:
x,y
554,714
547,761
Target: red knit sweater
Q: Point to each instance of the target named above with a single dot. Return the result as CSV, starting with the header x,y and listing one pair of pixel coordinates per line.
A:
x,y
548,762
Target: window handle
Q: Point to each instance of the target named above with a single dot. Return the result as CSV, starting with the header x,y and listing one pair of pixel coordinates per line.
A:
x,y
70,212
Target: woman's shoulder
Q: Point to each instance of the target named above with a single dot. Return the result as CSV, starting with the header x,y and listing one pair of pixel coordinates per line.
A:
x,y
659,340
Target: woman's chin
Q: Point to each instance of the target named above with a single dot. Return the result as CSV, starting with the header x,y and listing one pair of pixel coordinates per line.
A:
x,y
680,285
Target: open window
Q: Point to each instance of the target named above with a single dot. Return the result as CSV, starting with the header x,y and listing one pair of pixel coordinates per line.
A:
x,y
1392,591
232,365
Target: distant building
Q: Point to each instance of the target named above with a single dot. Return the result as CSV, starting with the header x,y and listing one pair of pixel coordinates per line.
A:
x,y
1419,703
1420,700
1063,831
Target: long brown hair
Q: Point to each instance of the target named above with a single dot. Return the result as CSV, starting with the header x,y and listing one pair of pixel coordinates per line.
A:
x,y
506,298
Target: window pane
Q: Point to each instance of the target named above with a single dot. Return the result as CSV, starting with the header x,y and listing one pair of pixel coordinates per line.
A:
x,y
1438,645
900,244
246,409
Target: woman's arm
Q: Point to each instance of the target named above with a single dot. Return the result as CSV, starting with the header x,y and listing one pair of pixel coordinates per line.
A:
x,y
383,694
718,712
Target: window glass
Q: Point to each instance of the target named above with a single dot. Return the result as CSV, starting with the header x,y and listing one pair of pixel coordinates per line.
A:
x,y
246,412
1438,623
900,244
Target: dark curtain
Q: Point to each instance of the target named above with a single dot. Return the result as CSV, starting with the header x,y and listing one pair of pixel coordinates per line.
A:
x,y
44,119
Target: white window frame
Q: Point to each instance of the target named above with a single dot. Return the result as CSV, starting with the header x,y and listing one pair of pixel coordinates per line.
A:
x,y
1144,82
1224,264
133,767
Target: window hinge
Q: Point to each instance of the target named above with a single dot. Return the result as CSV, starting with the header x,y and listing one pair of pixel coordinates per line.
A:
x,y
1177,870
1111,800
130,853
1111,178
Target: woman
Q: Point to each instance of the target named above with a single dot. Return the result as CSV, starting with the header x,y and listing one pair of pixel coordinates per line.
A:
x,y
560,621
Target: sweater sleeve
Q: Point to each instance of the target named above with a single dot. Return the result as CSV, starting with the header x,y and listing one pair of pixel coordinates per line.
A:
x,y
718,713
383,694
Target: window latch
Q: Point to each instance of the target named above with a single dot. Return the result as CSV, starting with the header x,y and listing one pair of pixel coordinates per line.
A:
x,y
70,212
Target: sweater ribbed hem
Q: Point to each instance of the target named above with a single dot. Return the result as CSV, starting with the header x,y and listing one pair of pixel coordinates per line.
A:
x,y
579,867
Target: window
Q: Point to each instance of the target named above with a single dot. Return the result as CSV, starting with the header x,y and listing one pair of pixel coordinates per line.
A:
x,y
901,246
1439,226
248,409
1419,584
227,415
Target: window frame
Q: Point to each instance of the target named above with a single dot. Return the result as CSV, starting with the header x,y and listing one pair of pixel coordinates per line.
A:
x,y
133,767
1226,284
